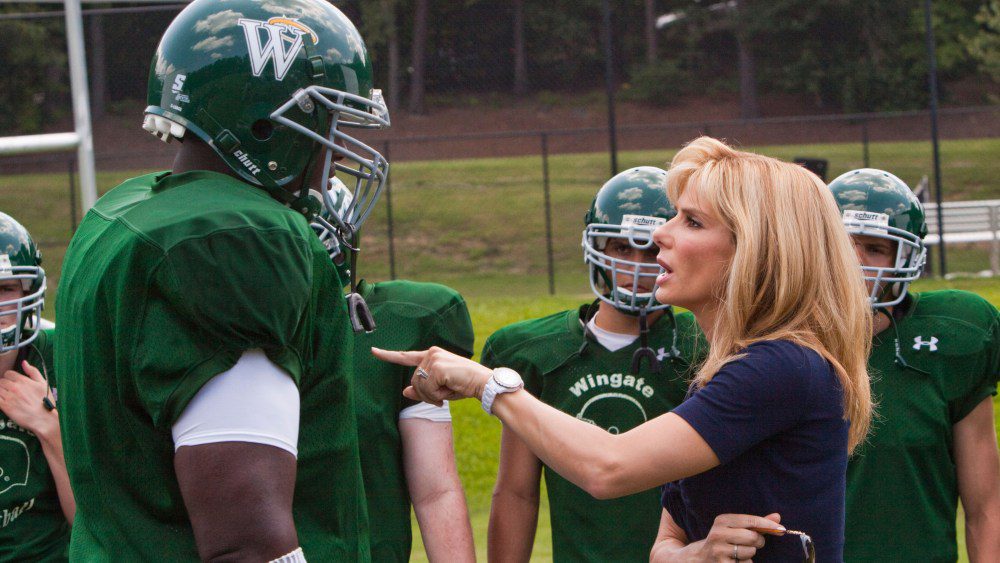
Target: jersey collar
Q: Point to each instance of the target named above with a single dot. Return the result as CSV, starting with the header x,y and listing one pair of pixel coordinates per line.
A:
x,y
578,327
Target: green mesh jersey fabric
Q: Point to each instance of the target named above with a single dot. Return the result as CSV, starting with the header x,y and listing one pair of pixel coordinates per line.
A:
x,y
167,281
567,369
408,316
32,524
902,489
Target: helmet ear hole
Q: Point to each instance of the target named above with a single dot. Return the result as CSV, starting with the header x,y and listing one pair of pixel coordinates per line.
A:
x,y
262,129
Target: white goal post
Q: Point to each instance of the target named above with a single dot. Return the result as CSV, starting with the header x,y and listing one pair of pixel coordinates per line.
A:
x,y
81,138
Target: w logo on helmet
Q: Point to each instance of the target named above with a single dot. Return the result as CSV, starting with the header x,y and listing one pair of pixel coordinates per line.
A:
x,y
919,343
284,41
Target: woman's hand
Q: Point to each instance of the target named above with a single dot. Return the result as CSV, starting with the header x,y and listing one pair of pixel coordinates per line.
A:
x,y
21,400
731,538
448,376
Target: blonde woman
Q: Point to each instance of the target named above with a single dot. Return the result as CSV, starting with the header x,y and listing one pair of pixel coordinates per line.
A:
x,y
758,253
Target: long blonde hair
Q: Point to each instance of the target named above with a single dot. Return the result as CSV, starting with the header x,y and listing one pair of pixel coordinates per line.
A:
x,y
794,274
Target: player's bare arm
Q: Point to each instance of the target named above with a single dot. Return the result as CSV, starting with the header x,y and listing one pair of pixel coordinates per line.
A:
x,y
238,496
514,511
435,490
977,463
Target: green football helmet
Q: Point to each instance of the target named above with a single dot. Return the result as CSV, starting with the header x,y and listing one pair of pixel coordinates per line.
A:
x,y
20,261
628,206
876,203
265,84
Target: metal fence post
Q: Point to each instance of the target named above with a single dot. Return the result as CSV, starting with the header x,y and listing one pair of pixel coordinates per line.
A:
x,y
933,91
864,143
609,84
548,212
388,216
995,250
72,195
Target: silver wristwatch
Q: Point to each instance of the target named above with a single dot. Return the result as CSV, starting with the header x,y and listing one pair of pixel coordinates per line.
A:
x,y
503,380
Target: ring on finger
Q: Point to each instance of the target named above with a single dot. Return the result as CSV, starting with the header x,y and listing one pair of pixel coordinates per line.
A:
x,y
423,373
736,553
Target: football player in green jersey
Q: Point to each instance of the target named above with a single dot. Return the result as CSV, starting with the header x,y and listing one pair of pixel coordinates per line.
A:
x,y
408,456
615,363
36,503
208,403
935,361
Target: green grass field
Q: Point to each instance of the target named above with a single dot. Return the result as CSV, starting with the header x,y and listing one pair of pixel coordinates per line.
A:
x,y
478,225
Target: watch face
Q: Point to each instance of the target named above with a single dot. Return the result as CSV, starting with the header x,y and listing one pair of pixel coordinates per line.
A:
x,y
507,377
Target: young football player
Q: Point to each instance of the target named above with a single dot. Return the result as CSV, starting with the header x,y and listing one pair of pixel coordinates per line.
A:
x,y
934,362
208,397
407,456
614,363
35,497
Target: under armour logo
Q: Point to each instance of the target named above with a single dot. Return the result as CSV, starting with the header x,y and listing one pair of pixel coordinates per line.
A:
x,y
919,343
663,353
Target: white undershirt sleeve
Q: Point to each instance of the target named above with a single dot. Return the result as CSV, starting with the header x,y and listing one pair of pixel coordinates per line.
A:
x,y
427,411
254,401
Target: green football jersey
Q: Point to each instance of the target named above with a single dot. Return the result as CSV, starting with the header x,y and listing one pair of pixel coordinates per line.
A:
x,y
408,316
167,281
902,488
565,368
32,525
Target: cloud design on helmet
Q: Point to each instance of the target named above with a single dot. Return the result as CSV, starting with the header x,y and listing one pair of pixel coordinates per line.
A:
x,y
217,22
630,194
212,43
854,196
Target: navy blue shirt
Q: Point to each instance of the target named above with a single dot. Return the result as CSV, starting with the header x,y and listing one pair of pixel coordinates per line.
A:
x,y
775,420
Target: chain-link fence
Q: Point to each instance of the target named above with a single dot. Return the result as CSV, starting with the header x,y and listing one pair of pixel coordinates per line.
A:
x,y
503,211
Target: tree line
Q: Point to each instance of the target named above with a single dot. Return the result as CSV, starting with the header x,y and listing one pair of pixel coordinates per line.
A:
x,y
842,55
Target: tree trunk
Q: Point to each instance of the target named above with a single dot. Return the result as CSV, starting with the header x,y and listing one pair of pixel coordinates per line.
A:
x,y
650,32
98,67
392,33
748,81
419,57
520,54
748,69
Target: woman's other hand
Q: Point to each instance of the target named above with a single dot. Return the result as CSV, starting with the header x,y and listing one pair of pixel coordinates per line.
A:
x,y
732,538
440,375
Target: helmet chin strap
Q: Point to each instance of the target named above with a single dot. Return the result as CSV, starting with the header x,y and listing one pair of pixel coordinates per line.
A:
x,y
897,349
357,308
361,316
644,351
